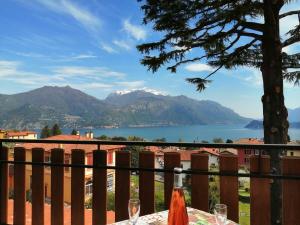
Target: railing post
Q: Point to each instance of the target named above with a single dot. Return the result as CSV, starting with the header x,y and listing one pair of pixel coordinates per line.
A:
x,y
19,187
38,191
260,195
77,187
146,183
122,188
229,191
199,193
290,191
99,188
171,160
57,187
3,185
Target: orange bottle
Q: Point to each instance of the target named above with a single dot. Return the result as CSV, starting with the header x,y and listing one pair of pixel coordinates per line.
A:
x,y
177,211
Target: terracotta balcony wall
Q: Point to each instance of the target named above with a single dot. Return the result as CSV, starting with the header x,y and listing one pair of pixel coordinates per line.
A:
x,y
42,213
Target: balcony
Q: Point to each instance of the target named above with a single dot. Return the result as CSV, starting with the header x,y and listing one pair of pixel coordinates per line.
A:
x,y
56,172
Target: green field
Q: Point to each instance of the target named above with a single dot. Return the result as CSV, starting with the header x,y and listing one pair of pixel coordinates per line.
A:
x,y
244,209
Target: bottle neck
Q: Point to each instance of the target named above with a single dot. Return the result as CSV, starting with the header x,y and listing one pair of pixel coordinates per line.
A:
x,y
177,180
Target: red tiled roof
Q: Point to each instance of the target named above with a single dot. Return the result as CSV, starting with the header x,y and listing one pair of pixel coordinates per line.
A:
x,y
47,211
232,151
68,147
212,151
19,133
248,141
153,148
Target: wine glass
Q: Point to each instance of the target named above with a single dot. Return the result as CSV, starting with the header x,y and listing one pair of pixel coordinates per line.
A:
x,y
220,214
133,210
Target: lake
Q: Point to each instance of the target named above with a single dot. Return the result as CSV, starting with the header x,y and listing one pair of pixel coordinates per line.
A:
x,y
186,133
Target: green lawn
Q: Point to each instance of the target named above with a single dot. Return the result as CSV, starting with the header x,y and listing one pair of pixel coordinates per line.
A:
x,y
244,209
244,214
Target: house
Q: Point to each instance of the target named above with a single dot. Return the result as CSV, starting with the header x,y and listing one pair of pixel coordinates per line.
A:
x,y
213,155
244,154
3,134
228,151
111,149
21,135
293,152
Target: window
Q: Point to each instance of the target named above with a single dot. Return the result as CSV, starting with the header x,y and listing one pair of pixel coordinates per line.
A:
x,y
89,188
246,160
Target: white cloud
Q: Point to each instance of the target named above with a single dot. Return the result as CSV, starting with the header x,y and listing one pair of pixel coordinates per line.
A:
x,y
10,71
84,56
198,67
107,48
122,44
8,68
30,54
81,15
137,32
94,85
254,77
87,77
153,91
131,84
88,72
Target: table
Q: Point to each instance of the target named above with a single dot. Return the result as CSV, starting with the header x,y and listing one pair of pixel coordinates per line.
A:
x,y
196,217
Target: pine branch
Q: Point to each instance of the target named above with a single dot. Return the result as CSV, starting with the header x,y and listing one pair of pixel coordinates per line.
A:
x,y
201,83
295,12
253,26
292,40
247,34
292,77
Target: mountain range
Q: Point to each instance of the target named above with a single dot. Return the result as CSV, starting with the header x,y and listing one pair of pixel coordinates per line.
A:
x,y
258,124
73,108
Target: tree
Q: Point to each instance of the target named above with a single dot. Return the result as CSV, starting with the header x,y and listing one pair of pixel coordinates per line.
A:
x,y
116,138
217,140
134,150
229,141
74,132
160,140
230,34
56,130
103,137
46,132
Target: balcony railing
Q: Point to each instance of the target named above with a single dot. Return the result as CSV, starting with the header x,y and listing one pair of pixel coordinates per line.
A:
x,y
260,180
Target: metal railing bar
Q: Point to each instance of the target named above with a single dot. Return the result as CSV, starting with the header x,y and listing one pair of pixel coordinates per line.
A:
x,y
196,172
163,144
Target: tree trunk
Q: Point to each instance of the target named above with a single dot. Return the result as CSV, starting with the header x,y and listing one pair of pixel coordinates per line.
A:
x,y
274,110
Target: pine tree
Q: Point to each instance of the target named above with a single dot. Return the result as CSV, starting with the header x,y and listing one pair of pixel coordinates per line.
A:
x,y
229,34
56,130
46,132
74,132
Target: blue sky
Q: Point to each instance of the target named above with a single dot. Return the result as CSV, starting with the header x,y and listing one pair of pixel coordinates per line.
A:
x,y
90,45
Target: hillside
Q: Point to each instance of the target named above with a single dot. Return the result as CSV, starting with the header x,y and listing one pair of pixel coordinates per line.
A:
x,y
70,107
294,115
258,124
144,107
